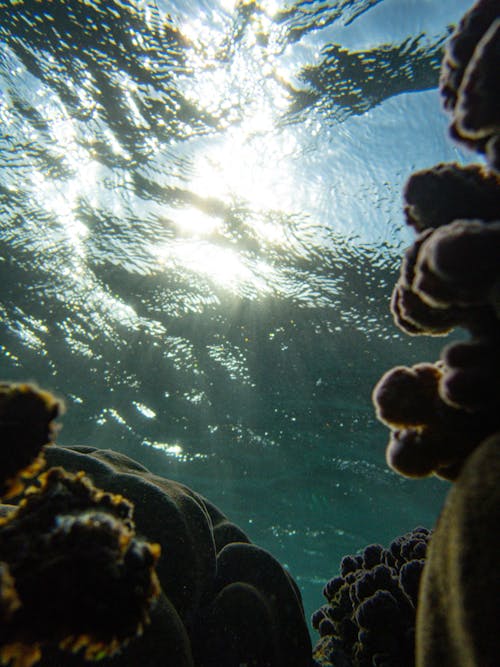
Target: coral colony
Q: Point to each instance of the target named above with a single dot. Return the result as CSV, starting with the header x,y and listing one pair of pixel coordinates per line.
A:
x,y
445,416
73,573
77,583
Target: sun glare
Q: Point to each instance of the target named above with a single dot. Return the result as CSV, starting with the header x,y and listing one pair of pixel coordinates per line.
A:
x,y
245,165
223,266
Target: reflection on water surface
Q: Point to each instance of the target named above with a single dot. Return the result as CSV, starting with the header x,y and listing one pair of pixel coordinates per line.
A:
x,y
201,220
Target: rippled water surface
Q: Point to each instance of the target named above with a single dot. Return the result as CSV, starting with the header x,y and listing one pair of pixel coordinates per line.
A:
x,y
201,223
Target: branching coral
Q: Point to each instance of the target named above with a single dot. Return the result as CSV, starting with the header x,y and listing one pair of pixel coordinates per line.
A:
x,y
469,80
370,615
450,276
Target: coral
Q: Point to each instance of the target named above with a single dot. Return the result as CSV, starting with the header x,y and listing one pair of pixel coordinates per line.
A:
x,y
255,616
447,192
26,426
472,378
469,80
438,413
457,618
458,265
428,433
68,541
227,602
445,417
370,615
78,585
450,277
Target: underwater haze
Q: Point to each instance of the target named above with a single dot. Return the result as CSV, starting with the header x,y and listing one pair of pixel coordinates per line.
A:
x,y
201,223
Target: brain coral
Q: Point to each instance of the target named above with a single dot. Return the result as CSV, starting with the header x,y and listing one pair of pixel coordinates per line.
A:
x,y
77,584
369,618
225,601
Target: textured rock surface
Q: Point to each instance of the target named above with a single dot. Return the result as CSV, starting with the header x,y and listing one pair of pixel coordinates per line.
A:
x,y
457,623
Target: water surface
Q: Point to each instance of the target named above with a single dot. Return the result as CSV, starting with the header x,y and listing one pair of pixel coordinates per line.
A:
x,y
201,223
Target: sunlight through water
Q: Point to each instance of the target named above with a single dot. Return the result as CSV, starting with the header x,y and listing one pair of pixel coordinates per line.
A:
x,y
201,223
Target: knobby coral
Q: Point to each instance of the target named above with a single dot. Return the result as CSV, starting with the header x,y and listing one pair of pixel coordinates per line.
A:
x,y
445,416
77,584
450,277
82,579
26,425
72,572
370,615
469,80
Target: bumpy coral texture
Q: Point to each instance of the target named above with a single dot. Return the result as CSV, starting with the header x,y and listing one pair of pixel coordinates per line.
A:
x,y
370,615
82,579
77,584
445,416
469,80
72,572
449,191
224,601
450,277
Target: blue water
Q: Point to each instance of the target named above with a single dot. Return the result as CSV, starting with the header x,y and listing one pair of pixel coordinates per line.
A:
x,y
201,223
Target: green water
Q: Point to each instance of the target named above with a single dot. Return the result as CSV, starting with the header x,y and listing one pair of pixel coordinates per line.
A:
x,y
201,223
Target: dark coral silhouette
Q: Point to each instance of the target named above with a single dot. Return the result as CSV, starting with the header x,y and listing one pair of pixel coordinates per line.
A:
x,y
469,80
450,277
27,417
77,584
72,572
445,417
447,192
370,615
83,581
457,616
229,601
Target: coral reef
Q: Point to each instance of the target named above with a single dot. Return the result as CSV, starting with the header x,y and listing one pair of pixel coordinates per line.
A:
x,y
27,421
457,617
370,615
231,602
445,416
450,277
72,572
469,80
78,585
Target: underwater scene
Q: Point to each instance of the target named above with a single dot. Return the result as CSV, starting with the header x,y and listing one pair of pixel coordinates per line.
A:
x,y
201,226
